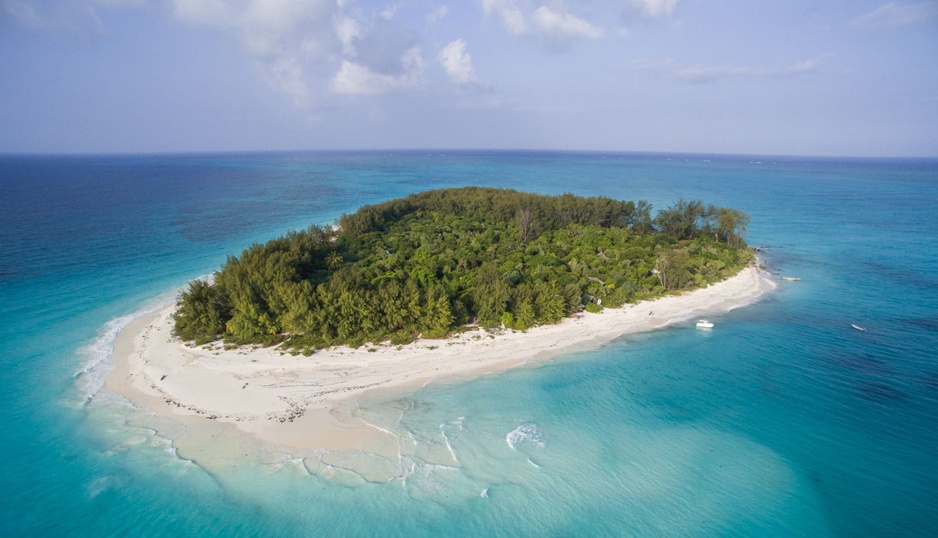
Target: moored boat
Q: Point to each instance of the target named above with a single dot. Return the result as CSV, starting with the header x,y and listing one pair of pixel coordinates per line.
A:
x,y
704,324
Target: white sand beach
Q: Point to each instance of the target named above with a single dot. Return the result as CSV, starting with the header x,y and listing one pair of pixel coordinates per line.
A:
x,y
306,403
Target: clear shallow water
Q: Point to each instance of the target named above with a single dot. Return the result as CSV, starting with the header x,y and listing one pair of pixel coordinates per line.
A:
x,y
781,421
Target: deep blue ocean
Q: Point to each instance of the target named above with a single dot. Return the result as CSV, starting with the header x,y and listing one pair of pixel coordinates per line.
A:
x,y
781,421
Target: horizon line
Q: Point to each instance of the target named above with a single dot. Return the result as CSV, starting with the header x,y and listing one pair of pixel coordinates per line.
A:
x,y
246,152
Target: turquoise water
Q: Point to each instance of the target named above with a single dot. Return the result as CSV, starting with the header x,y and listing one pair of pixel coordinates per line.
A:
x,y
783,420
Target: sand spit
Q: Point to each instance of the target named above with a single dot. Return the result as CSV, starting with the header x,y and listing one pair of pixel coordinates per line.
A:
x,y
303,404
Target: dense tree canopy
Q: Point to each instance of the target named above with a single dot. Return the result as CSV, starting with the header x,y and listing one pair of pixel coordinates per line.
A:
x,y
432,262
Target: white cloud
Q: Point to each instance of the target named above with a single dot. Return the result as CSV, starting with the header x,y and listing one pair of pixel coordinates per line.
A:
x,y
389,12
893,15
384,46
642,11
282,36
276,25
512,16
562,28
211,12
708,74
655,8
552,24
120,3
651,65
458,63
438,14
356,79
286,75
371,51
347,29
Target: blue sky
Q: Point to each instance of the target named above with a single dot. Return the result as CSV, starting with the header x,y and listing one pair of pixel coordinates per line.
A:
x,y
855,78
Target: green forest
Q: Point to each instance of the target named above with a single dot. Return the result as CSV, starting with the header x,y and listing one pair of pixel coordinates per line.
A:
x,y
432,263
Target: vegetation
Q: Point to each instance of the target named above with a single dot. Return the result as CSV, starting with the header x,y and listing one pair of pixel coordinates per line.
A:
x,y
432,262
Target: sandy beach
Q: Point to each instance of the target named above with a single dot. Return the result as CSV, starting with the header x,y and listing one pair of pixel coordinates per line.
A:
x,y
305,403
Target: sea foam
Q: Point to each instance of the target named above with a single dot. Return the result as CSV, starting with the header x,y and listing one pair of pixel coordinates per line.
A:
x,y
97,363
97,366
525,434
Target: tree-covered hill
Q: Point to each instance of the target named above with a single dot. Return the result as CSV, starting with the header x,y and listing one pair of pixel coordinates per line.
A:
x,y
434,261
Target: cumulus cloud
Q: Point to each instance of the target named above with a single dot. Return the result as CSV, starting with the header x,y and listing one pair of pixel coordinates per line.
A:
x,y
458,63
357,79
437,14
384,45
202,11
347,30
509,11
552,24
700,74
121,3
286,75
390,12
367,50
282,36
562,28
635,12
894,15
655,8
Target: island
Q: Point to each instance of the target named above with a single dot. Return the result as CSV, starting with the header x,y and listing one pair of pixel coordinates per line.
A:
x,y
281,342
431,263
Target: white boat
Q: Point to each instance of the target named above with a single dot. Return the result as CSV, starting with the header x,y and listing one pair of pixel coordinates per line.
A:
x,y
791,278
857,327
704,324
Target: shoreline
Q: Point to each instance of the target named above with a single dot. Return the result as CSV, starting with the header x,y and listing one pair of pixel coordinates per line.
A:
x,y
309,404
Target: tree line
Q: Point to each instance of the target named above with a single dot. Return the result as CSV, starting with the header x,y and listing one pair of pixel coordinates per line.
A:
x,y
432,262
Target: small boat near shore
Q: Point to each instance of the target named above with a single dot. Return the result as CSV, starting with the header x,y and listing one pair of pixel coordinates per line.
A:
x,y
704,324
791,278
857,327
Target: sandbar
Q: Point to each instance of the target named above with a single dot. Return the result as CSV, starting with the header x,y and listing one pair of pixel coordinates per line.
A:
x,y
305,403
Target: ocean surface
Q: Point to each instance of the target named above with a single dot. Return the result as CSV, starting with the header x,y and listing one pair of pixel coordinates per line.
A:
x,y
781,421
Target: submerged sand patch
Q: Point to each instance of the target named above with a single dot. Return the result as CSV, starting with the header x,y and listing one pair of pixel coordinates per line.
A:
x,y
308,404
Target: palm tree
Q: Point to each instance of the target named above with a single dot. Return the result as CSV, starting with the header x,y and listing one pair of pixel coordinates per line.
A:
x,y
334,260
